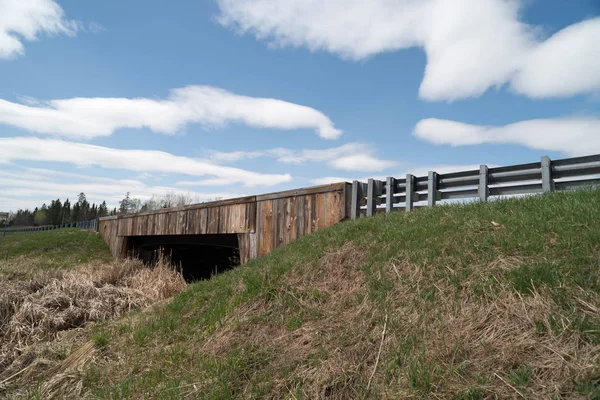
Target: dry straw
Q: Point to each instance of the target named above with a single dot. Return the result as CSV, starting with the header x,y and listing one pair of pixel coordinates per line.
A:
x,y
40,310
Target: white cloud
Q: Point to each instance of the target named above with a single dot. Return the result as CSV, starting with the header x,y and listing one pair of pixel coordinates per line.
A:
x,y
361,162
85,118
564,65
30,187
79,154
471,46
571,136
232,156
349,157
27,20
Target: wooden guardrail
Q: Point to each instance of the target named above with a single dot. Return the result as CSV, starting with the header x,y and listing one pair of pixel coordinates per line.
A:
x,y
538,177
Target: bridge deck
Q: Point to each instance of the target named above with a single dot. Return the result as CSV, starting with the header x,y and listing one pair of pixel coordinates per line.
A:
x,y
262,223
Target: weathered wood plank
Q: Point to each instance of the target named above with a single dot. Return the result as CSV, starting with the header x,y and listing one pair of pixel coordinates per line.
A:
x,y
292,227
300,216
223,218
161,224
266,231
181,221
213,220
313,214
251,215
203,220
303,191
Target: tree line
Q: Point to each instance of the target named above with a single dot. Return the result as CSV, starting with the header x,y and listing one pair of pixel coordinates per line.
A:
x,y
59,213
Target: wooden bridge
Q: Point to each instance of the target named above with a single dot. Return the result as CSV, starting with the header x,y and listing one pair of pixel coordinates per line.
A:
x,y
251,227
255,225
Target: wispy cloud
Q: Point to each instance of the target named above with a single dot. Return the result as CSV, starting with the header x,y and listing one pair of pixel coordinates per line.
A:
x,y
349,157
571,136
26,20
86,118
471,46
30,187
144,161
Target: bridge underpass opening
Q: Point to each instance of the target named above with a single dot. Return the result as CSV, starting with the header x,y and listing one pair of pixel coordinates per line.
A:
x,y
198,256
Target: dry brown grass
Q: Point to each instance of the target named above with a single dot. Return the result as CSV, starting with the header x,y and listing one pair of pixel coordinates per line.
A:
x,y
38,316
342,306
458,342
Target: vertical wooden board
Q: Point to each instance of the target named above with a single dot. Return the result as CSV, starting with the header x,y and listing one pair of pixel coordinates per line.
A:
x,y
190,216
161,224
202,221
258,227
133,226
286,221
243,248
190,221
308,214
170,221
266,231
230,218
181,222
274,224
223,217
335,208
314,216
251,215
323,209
240,218
141,225
150,225
280,223
115,230
300,223
247,246
122,226
213,220
292,226
121,247
137,224
253,253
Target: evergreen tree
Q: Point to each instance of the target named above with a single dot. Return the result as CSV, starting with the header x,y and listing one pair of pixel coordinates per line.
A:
x,y
102,210
66,212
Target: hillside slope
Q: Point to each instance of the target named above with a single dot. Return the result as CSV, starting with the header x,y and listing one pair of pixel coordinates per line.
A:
x,y
495,300
24,254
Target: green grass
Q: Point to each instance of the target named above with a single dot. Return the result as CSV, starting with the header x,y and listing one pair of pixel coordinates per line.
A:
x,y
283,326
22,254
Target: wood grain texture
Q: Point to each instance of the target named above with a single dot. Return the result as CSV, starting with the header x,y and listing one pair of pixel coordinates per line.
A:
x,y
262,225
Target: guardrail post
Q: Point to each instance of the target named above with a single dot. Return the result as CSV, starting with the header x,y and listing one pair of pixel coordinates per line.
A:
x,y
357,194
410,192
373,191
390,185
432,188
483,183
547,183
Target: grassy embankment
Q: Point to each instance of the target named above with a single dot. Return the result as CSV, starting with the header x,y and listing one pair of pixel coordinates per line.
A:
x,y
23,255
495,300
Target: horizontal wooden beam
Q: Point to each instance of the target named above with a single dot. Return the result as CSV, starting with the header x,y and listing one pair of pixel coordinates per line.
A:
x,y
333,187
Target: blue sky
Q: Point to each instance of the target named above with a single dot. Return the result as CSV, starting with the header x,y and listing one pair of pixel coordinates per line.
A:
x,y
235,97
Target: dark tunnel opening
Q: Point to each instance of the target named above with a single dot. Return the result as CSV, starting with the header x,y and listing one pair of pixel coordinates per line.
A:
x,y
198,256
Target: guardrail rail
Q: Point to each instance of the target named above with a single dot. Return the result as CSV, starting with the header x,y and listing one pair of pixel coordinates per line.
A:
x,y
538,177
